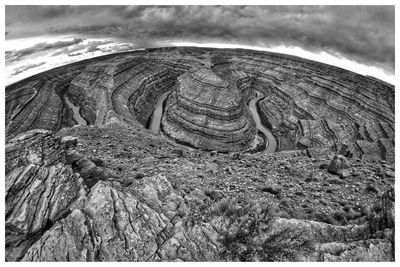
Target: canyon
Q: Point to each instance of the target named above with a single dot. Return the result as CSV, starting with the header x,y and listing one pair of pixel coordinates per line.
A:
x,y
199,154
306,105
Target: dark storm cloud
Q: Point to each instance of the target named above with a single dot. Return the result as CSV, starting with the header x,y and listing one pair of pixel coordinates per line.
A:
x,y
16,55
361,33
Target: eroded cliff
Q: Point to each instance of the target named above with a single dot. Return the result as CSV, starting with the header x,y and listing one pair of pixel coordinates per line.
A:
x,y
306,105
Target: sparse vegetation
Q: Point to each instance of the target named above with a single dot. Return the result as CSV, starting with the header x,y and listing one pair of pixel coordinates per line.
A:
x,y
326,218
272,190
197,204
250,236
340,217
370,188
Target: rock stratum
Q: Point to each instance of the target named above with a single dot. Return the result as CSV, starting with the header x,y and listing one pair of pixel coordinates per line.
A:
x,y
306,104
209,113
87,180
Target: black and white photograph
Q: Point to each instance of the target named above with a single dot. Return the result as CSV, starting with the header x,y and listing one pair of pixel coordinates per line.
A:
x,y
191,132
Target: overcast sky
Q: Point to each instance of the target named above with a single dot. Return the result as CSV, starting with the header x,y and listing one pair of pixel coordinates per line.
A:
x,y
360,34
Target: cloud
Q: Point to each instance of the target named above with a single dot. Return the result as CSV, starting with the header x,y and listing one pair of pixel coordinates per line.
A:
x,y
33,55
88,46
118,47
75,54
94,45
361,33
24,68
16,55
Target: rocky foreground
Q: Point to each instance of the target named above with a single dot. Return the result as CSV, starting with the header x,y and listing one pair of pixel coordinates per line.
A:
x,y
117,193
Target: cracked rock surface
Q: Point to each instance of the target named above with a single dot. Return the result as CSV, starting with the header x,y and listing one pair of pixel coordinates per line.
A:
x,y
55,211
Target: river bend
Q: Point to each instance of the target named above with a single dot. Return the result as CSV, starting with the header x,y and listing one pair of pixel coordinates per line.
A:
x,y
270,142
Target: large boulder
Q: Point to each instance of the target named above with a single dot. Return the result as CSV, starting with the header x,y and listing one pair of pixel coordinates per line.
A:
x,y
338,164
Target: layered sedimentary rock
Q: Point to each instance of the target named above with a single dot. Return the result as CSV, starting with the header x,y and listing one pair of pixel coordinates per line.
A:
x,y
208,112
40,188
307,105
52,216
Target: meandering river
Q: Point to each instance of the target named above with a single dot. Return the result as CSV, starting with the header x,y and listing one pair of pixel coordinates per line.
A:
x,y
75,109
270,142
157,114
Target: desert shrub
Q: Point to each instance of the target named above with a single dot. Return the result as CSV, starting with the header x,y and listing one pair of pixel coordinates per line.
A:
x,y
311,179
326,218
123,154
214,194
340,217
249,235
197,213
284,246
323,166
346,208
363,210
232,208
334,218
371,188
247,230
139,175
352,215
272,190
246,221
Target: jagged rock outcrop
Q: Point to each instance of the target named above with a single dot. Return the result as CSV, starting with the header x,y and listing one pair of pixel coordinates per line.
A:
x,y
338,165
117,225
40,188
82,165
307,105
52,216
59,212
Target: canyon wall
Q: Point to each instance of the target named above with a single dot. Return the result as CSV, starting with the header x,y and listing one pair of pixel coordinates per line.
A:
x,y
306,105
